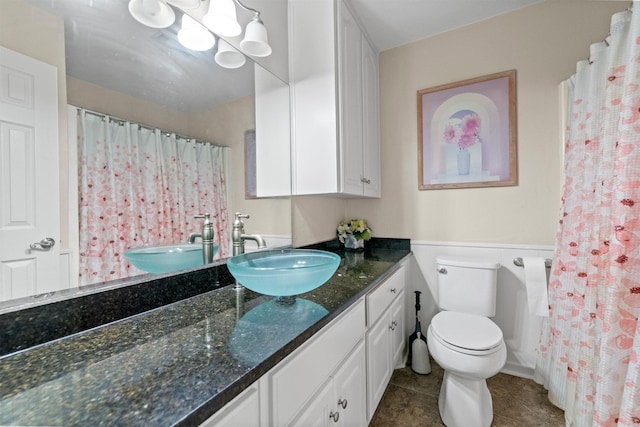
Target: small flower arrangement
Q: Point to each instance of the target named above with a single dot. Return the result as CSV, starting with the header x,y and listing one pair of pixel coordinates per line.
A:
x,y
466,133
356,227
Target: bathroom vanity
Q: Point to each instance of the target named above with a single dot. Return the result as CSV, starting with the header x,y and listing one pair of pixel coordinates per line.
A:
x,y
222,357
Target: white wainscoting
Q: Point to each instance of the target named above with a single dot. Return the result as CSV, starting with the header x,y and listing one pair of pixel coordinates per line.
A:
x,y
521,330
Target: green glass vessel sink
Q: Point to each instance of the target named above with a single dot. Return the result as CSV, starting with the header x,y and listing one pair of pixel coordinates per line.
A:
x,y
283,272
166,258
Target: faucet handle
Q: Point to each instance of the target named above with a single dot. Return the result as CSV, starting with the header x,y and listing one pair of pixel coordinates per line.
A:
x,y
242,216
207,226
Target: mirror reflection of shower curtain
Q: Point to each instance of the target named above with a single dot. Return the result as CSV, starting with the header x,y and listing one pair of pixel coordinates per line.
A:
x,y
141,186
589,356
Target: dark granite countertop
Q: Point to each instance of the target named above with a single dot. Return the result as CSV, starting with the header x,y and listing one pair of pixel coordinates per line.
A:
x,y
177,364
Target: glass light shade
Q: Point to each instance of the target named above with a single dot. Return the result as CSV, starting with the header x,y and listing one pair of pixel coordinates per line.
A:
x,y
185,4
256,42
228,57
152,13
222,19
194,35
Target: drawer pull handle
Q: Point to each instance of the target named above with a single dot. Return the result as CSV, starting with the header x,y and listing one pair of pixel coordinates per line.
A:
x,y
392,326
441,270
334,416
343,403
393,290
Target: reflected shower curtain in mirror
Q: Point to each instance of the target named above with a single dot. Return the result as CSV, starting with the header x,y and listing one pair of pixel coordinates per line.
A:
x,y
140,186
589,356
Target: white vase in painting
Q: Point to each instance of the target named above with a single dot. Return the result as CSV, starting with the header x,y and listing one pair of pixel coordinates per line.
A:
x,y
464,161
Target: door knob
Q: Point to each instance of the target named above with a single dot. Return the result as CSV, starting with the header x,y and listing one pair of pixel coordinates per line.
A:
x,y
43,245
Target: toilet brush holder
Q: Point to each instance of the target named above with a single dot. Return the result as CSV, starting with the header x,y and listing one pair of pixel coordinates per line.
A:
x,y
420,356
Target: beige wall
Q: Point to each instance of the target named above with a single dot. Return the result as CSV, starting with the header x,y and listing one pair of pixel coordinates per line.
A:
x,y
542,42
40,35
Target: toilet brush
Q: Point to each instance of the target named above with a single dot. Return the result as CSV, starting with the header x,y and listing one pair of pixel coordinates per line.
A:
x,y
418,350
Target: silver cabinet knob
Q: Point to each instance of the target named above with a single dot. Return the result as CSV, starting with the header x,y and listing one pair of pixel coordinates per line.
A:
x,y
335,416
441,270
343,403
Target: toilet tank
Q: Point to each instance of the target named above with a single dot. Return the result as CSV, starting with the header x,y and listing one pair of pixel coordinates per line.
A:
x,y
467,285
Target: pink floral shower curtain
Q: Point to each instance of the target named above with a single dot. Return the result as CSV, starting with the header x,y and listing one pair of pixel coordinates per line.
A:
x,y
139,187
590,346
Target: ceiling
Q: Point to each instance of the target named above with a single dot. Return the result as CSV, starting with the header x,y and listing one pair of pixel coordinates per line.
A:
x,y
106,46
392,23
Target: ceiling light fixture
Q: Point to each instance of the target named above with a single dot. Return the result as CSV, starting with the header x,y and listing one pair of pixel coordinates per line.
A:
x,y
256,41
152,13
193,35
228,57
222,19
185,4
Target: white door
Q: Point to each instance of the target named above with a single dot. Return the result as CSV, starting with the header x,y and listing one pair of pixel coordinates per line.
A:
x,y
29,186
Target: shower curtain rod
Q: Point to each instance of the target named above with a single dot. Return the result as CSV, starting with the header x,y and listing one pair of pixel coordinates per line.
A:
x,y
148,127
605,40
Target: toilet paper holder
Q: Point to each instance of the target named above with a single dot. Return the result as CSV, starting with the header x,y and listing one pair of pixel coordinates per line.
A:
x,y
520,263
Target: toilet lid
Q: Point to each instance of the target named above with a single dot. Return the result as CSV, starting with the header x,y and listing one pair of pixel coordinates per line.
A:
x,y
466,331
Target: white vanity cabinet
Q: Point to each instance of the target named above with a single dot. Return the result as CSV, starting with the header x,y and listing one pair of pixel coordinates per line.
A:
x,y
334,100
306,388
385,337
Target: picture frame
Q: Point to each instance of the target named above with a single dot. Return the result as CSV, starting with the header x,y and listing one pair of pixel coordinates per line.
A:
x,y
467,133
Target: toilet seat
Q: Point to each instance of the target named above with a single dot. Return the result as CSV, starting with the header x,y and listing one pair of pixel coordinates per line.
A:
x,y
467,333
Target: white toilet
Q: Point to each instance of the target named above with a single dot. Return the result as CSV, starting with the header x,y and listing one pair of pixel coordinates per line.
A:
x,y
464,341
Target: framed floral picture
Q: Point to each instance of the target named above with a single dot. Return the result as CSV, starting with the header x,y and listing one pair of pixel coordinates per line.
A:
x,y
467,133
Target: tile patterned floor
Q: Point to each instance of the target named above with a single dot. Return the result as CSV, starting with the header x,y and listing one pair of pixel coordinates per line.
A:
x,y
412,400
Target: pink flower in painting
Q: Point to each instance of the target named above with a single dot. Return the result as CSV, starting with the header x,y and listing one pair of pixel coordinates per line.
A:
x,y
466,140
450,134
464,134
471,124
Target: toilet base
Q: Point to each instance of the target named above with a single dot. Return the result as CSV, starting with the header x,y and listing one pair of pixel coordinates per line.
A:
x,y
465,402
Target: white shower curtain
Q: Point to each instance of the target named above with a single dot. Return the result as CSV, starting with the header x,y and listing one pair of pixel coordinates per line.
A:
x,y
590,345
140,186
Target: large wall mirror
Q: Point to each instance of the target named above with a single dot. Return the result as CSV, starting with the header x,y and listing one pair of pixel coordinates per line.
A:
x,y
109,63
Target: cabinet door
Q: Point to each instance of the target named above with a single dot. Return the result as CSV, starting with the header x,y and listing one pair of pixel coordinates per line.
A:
x,y
316,414
378,362
244,410
397,332
370,118
350,383
350,90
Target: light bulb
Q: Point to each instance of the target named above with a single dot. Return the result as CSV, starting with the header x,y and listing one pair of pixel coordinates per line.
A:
x,y
222,19
194,35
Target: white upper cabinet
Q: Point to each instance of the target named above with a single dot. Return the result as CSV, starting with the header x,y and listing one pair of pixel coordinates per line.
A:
x,y
334,99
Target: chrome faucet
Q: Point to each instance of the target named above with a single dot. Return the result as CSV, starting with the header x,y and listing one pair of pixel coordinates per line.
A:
x,y
238,237
207,238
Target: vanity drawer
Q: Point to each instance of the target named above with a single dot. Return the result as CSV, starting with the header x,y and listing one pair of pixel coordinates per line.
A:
x,y
381,297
